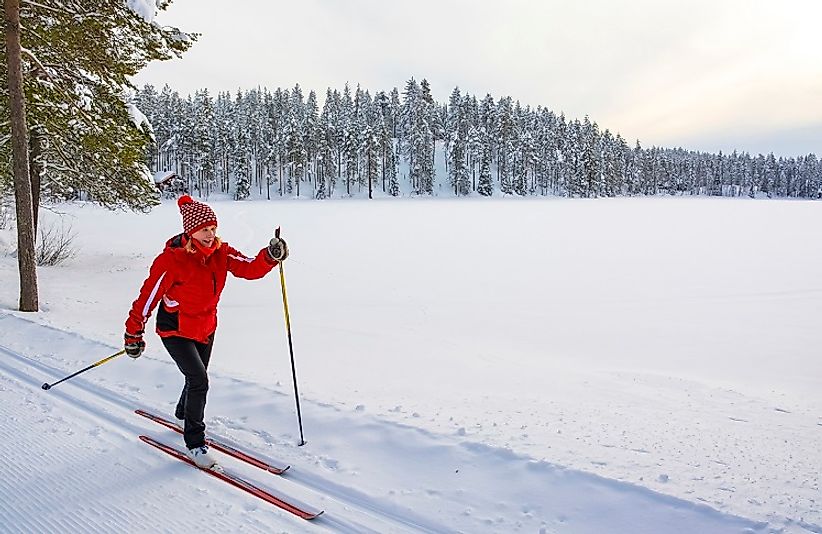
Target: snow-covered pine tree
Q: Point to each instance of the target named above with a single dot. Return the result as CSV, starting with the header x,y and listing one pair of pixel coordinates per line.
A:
x,y
574,180
431,130
241,160
504,133
370,151
346,140
485,185
617,165
452,118
365,120
146,99
223,140
590,159
396,113
311,137
474,153
560,141
640,169
81,57
456,129
473,143
279,123
523,152
330,135
487,121
326,167
295,141
410,146
268,134
203,143
256,146
808,179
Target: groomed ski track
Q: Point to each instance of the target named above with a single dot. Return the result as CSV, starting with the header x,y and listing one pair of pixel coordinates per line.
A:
x,y
100,437
73,463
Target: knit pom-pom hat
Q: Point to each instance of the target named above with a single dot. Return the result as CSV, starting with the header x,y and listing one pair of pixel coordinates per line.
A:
x,y
196,215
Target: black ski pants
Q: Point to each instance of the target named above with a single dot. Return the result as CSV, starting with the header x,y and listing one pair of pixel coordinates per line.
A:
x,y
192,359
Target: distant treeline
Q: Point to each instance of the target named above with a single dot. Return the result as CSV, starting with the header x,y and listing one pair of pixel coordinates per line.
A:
x,y
281,143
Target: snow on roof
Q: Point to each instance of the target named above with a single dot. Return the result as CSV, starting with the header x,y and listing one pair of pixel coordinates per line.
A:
x,y
162,176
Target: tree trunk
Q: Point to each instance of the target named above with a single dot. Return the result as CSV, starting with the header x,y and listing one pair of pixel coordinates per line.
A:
x,y
36,139
20,156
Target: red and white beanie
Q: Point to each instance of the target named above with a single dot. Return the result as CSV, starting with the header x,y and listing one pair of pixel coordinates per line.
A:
x,y
196,215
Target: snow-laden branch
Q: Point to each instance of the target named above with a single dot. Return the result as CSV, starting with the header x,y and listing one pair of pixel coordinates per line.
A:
x,y
47,8
68,97
139,119
77,16
67,167
145,8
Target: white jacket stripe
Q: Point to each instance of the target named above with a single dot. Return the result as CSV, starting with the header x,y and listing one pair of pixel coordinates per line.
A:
x,y
153,294
241,258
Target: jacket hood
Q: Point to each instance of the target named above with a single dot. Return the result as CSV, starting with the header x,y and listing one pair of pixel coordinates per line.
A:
x,y
178,241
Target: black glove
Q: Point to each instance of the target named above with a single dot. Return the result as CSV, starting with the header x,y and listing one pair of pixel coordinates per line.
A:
x,y
134,345
277,249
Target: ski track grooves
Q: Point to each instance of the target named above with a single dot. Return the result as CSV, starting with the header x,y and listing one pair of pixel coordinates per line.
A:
x,y
96,515
68,467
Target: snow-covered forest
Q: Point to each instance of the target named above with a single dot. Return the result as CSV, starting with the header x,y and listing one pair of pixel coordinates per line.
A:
x,y
353,143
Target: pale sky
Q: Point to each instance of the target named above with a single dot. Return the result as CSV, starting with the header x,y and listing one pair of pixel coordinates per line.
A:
x,y
702,74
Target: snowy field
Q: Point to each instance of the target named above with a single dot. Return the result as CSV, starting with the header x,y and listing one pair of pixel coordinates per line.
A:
x,y
643,365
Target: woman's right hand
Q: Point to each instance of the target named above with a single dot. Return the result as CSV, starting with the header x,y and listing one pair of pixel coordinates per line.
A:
x,y
134,345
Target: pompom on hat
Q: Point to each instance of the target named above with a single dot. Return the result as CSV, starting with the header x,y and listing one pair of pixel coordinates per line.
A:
x,y
196,215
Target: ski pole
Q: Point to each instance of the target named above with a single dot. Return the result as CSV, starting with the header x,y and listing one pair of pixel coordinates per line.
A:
x,y
48,386
290,344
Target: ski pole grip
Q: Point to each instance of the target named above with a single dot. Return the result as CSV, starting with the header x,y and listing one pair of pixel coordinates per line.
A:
x,y
277,232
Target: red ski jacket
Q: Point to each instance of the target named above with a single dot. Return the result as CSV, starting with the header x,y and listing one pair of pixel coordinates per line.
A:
x,y
189,285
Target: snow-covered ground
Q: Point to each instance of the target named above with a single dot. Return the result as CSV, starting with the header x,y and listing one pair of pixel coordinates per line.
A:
x,y
612,365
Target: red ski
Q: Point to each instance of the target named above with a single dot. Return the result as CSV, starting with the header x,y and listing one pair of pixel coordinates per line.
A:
x,y
290,505
219,445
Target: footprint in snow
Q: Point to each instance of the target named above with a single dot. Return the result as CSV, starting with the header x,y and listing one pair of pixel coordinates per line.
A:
x,y
331,463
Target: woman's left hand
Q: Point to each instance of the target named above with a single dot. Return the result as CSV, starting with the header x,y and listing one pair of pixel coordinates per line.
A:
x,y
277,249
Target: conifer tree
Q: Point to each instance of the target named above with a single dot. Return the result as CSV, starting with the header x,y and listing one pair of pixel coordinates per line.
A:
x,y
311,135
203,142
485,186
504,133
456,129
68,66
79,59
590,158
430,129
411,145
241,160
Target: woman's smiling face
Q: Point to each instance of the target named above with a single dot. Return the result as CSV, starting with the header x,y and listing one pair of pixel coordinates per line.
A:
x,y
205,236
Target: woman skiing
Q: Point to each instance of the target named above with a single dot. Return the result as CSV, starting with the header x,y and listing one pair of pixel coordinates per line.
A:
x,y
186,280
